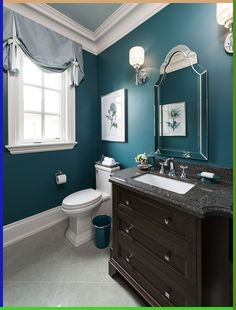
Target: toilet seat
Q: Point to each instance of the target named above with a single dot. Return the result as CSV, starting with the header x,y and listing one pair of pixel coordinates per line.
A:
x,y
82,199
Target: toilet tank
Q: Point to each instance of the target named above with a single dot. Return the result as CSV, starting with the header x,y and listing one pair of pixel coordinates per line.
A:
x,y
102,178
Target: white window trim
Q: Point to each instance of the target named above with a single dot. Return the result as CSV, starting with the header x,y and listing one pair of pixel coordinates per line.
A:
x,y
13,118
42,147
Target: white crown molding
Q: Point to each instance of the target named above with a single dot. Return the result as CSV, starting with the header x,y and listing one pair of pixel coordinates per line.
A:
x,y
61,19
50,18
126,18
114,19
123,21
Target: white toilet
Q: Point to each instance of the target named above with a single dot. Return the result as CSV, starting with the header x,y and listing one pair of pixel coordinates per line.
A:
x,y
83,205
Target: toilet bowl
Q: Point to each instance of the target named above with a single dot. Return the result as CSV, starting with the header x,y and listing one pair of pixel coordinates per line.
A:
x,y
83,205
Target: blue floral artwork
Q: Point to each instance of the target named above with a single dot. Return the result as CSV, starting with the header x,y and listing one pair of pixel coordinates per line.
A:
x,y
113,116
173,119
174,115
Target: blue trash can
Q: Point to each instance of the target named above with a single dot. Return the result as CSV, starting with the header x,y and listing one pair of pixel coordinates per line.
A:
x,y
102,230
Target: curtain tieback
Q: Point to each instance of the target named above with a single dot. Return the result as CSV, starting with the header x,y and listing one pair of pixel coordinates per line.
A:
x,y
14,43
10,41
75,63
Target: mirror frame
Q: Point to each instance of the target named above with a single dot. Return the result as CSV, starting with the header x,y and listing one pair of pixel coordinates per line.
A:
x,y
178,58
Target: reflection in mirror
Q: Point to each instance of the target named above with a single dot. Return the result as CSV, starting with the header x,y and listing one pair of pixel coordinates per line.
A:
x,y
181,107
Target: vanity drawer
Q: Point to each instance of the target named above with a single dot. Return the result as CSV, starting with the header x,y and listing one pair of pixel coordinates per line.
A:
x,y
169,264
162,252
156,213
165,291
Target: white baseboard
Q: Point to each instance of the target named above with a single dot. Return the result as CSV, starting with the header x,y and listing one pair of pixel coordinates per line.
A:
x,y
31,225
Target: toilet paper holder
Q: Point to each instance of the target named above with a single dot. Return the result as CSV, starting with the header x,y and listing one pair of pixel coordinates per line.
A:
x,y
60,177
59,172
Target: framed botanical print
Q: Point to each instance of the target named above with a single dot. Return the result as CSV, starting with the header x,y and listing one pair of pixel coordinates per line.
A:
x,y
113,116
173,119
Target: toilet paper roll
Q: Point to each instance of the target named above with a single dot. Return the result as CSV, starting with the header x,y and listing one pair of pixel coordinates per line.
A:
x,y
61,179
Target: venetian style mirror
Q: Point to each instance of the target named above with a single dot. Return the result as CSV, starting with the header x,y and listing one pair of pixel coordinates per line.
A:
x,y
181,106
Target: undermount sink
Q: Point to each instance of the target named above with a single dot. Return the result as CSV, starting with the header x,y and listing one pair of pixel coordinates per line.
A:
x,y
179,187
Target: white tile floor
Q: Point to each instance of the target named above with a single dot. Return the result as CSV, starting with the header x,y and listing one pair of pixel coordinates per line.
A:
x,y
46,270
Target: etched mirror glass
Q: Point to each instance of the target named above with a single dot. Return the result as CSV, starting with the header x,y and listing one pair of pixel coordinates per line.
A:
x,y
181,106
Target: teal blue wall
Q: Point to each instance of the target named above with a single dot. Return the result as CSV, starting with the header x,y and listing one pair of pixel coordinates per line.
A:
x,y
29,182
195,26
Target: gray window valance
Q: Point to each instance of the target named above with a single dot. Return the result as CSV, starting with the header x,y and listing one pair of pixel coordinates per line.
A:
x,y
46,48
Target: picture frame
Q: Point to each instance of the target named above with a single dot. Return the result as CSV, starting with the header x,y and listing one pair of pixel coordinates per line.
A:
x,y
113,123
173,119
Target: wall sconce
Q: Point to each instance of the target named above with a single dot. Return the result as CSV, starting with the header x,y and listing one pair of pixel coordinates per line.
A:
x,y
224,16
136,59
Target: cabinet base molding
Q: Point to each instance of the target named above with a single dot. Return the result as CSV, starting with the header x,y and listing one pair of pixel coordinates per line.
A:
x,y
115,268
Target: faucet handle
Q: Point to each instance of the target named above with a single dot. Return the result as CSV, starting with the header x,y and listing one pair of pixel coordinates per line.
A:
x,y
186,154
162,170
183,174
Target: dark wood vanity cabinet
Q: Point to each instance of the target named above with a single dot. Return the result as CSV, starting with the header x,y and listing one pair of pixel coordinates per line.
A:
x,y
171,258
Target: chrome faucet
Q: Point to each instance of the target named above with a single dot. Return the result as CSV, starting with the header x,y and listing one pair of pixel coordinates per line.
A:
x,y
170,162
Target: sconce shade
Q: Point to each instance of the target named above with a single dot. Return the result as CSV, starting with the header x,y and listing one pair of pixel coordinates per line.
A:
x,y
224,14
136,56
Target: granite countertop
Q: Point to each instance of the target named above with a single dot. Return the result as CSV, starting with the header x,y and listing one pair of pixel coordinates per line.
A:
x,y
204,199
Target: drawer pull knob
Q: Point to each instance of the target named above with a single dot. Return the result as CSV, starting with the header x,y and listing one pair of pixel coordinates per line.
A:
x,y
167,220
128,258
127,202
167,294
127,229
167,258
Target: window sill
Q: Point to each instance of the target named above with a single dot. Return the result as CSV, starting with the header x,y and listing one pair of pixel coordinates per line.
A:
x,y
40,147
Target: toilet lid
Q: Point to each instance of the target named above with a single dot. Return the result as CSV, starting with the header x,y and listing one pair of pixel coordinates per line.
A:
x,y
82,198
